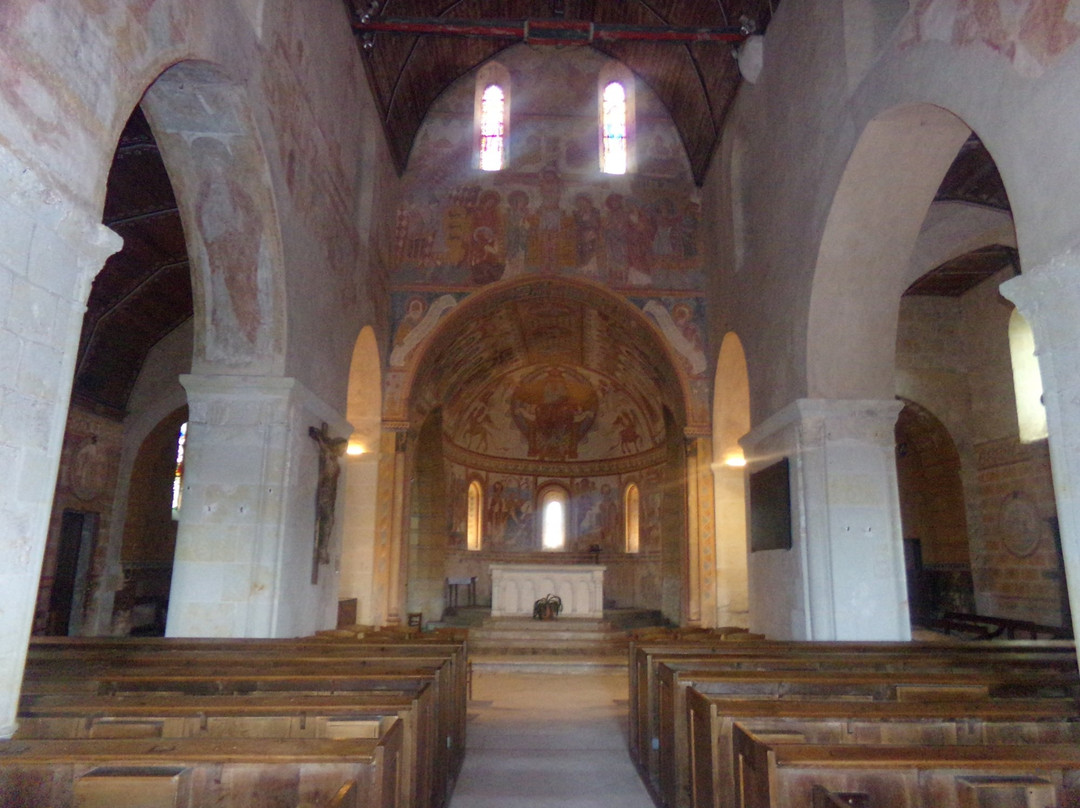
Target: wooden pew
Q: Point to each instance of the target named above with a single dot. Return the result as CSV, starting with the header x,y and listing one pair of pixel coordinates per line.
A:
x,y
204,668
782,772
282,716
643,657
868,682
661,725
223,772
672,774
207,654
434,779
711,719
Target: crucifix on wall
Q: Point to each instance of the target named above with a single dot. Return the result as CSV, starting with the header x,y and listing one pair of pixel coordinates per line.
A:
x,y
330,449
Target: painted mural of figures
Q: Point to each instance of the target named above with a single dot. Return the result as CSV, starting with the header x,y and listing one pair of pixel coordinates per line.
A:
x,y
587,230
688,229
614,230
629,436
549,218
681,333
481,252
640,232
517,233
477,427
229,226
608,521
554,409
519,527
416,325
667,221
497,515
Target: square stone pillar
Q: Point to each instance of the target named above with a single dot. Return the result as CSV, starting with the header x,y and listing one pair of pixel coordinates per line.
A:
x,y
843,578
244,547
1048,297
50,251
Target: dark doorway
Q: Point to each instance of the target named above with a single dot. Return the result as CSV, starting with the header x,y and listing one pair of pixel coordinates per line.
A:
x,y
78,533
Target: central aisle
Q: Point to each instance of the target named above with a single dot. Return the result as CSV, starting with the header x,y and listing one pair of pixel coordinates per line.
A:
x,y
548,740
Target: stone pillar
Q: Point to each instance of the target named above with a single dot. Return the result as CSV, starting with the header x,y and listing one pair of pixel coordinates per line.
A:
x,y
1048,297
388,582
50,251
361,477
245,543
843,578
700,609
729,497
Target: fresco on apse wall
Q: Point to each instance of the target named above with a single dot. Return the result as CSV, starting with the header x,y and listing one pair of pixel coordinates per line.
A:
x,y
555,413
596,509
679,320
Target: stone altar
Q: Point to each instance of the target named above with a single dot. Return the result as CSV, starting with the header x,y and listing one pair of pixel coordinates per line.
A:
x,y
515,587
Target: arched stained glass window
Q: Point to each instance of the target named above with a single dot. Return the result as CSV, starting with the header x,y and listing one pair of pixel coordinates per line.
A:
x,y
178,472
474,524
553,512
492,118
613,129
632,511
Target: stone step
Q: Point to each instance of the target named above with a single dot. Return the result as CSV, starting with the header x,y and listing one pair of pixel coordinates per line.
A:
x,y
560,624
523,648
540,663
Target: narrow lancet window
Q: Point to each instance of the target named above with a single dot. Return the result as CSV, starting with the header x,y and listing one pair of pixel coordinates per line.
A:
x,y
178,472
492,117
632,508
473,527
553,519
613,129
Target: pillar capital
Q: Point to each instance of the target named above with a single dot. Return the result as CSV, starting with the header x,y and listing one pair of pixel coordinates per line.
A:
x,y
812,422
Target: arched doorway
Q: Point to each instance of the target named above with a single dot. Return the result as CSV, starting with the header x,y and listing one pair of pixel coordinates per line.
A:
x,y
933,515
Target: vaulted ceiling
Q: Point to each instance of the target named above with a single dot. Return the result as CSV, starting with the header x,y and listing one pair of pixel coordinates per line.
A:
x,y
415,49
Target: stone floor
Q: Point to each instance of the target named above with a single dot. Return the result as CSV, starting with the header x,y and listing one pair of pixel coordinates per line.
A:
x,y
548,740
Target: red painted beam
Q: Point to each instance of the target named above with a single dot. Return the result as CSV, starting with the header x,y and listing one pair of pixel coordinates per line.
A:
x,y
546,31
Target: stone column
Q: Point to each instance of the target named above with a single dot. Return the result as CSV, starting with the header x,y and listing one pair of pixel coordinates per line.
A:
x,y
1048,297
843,578
50,251
359,512
729,497
388,583
245,543
701,534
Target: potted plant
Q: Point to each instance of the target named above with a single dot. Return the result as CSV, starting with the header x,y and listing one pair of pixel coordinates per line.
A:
x,y
547,607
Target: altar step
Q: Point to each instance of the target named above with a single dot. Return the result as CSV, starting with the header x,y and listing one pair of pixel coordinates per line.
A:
x,y
519,636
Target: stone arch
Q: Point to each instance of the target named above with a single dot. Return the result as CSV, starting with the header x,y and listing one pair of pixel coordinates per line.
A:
x,y
364,410
507,371
731,420
933,514
203,122
873,224
148,539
